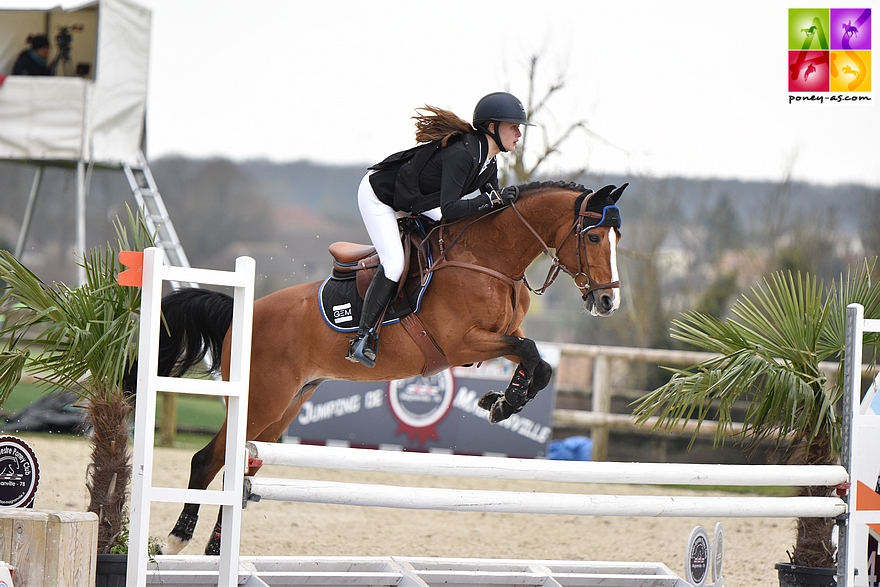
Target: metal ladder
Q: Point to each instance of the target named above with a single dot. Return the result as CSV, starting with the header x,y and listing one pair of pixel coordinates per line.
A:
x,y
143,186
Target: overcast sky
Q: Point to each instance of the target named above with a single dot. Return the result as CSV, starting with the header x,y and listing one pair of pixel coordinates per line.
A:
x,y
688,88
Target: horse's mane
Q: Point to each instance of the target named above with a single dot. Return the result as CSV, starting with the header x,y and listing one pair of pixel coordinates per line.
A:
x,y
537,186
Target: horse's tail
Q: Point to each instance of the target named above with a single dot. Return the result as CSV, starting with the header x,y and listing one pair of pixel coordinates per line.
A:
x,y
195,322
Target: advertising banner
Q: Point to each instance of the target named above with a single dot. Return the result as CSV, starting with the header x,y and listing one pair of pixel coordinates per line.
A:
x,y
436,413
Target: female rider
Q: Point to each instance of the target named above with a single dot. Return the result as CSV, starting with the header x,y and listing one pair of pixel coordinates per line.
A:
x,y
450,175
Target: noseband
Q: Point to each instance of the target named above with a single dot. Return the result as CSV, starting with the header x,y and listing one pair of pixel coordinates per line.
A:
x,y
610,216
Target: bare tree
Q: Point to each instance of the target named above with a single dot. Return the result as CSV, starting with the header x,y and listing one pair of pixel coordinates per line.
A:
x,y
538,102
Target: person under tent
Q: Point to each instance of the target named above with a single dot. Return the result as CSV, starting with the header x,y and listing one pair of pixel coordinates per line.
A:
x,y
35,60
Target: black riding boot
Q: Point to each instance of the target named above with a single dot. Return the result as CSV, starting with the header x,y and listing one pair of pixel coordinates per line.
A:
x,y
363,347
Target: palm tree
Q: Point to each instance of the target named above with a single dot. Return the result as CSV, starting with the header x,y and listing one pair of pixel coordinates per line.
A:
x,y
81,339
769,353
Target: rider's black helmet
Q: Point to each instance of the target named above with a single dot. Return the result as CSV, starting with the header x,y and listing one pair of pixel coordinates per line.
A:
x,y
498,107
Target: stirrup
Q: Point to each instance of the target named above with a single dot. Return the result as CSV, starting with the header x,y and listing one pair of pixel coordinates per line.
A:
x,y
362,349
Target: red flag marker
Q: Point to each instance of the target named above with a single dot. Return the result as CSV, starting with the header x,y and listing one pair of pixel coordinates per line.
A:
x,y
134,275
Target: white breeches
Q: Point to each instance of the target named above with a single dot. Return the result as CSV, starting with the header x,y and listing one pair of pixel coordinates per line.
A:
x,y
381,223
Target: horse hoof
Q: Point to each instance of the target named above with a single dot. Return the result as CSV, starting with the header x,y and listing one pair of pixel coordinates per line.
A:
x,y
174,545
488,400
501,410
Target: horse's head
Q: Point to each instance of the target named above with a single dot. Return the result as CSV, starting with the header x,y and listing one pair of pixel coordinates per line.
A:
x,y
586,249
592,262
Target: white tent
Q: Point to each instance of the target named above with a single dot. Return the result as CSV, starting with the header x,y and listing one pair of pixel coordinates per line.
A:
x,y
93,109
91,112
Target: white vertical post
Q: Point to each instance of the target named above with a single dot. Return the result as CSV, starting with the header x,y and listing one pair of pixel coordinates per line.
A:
x,y
861,458
145,417
236,423
81,219
155,273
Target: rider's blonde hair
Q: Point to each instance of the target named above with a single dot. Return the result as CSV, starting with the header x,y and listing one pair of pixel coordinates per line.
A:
x,y
437,124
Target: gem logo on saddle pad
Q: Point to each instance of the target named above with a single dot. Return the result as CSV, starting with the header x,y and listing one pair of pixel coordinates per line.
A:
x,y
342,314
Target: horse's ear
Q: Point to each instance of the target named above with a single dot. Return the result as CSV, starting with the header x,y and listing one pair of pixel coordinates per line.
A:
x,y
603,193
615,195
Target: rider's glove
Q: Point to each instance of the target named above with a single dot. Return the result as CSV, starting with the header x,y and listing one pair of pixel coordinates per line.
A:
x,y
503,198
509,194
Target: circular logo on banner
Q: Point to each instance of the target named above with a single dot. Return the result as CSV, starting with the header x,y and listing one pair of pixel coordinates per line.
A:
x,y
19,473
696,559
419,403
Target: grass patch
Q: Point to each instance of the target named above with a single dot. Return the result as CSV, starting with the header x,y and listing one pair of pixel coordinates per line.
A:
x,y
198,417
762,490
21,397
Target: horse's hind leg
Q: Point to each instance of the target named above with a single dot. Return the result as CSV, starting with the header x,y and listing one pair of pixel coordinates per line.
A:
x,y
203,468
271,434
212,548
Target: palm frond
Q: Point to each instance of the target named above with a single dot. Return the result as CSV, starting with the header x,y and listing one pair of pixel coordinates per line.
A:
x,y
768,354
68,337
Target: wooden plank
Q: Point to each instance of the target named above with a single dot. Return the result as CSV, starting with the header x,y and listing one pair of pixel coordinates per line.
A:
x,y
29,548
49,548
72,546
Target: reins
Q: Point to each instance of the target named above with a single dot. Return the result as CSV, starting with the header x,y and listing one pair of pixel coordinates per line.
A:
x,y
580,230
582,277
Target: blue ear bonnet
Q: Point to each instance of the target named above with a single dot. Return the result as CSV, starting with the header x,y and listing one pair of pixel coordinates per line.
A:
x,y
610,217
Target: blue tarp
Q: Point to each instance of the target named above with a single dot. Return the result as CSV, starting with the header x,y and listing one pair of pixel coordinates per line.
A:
x,y
573,448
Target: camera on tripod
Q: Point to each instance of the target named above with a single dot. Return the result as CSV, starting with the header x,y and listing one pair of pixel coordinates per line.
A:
x,y
63,40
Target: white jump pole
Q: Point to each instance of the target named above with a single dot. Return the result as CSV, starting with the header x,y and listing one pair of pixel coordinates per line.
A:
x,y
462,500
447,465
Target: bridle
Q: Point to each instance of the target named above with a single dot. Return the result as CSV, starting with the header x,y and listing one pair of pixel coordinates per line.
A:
x,y
610,216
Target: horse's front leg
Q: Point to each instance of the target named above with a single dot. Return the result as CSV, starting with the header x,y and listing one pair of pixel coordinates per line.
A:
x,y
532,374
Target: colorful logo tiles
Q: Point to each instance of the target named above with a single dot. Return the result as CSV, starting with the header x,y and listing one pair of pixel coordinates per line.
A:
x,y
829,50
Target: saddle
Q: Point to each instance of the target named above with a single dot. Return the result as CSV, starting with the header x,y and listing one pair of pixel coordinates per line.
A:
x,y
342,292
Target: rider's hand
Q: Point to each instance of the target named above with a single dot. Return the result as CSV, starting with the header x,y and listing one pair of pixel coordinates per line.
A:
x,y
502,198
509,194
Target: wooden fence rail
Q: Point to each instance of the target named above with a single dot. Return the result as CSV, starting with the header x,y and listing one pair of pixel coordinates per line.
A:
x,y
600,419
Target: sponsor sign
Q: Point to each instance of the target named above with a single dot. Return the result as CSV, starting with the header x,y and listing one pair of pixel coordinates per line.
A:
x,y
439,412
697,556
19,473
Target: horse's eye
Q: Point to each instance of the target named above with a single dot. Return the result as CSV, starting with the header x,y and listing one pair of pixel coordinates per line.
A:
x,y
594,238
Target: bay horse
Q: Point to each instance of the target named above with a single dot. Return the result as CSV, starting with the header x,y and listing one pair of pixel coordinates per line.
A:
x,y
472,309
